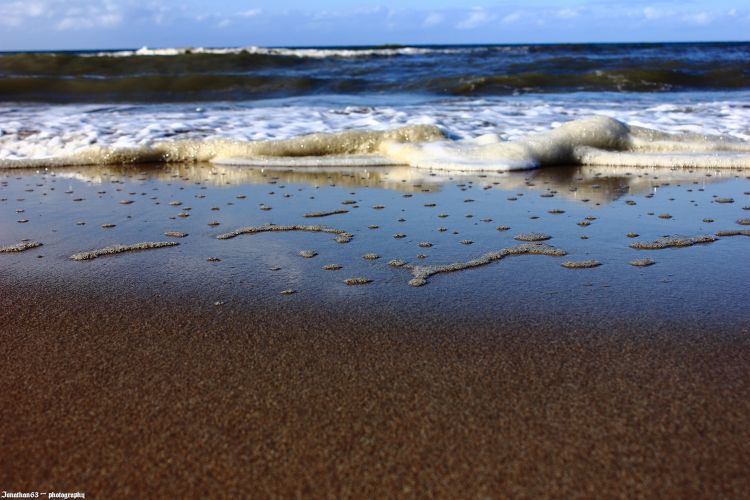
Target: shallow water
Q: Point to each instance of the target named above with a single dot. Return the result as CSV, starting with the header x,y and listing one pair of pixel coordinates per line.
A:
x,y
705,282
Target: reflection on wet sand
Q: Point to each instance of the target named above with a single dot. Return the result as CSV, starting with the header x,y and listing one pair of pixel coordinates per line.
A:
x,y
578,183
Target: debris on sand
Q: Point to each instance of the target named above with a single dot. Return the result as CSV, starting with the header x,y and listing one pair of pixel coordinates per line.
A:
x,y
673,241
642,262
325,214
581,264
175,234
115,249
20,247
423,273
740,232
532,237
341,235
357,281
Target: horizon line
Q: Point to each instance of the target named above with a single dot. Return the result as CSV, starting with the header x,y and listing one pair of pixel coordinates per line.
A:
x,y
379,45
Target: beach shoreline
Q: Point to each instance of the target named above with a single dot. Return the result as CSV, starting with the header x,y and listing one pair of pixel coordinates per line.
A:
x,y
215,346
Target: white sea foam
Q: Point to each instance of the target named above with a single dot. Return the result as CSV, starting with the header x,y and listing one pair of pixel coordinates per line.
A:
x,y
491,134
594,141
313,53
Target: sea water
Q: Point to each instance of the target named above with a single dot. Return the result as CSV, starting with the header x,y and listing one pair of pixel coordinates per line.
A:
x,y
490,108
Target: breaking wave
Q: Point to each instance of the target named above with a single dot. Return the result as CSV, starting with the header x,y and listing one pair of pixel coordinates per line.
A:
x,y
597,140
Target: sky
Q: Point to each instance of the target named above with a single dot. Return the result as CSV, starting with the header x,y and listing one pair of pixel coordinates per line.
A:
x,y
90,24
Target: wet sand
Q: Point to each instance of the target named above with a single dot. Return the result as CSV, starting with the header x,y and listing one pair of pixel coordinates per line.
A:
x,y
163,373
161,396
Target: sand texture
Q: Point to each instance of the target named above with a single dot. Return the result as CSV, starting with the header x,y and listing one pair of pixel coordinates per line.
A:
x,y
144,397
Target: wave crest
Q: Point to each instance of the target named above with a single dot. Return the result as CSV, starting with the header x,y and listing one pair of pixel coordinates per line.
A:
x,y
593,141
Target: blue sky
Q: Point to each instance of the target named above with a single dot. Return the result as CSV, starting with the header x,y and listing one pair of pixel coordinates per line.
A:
x,y
88,24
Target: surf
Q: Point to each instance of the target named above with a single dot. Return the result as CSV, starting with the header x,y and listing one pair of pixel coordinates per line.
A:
x,y
594,141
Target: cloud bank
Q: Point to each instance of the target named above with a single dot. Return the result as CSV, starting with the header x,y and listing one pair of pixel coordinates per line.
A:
x,y
82,24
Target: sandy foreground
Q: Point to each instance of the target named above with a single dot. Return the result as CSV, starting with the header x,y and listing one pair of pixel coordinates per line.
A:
x,y
153,394
186,370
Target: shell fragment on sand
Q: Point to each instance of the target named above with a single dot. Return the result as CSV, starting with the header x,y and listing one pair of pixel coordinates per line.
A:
x,y
175,234
20,247
642,262
325,214
115,249
357,281
673,241
581,264
423,273
341,235
739,232
532,237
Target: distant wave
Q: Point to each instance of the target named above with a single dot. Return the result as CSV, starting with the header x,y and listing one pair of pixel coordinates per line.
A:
x,y
249,73
314,53
202,86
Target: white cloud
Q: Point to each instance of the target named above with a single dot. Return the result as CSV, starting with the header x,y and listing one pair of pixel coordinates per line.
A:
x,y
94,18
15,14
433,19
250,13
652,13
699,18
511,18
567,13
477,17
98,23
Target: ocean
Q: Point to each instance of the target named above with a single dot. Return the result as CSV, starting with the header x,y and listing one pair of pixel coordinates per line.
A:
x,y
114,106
